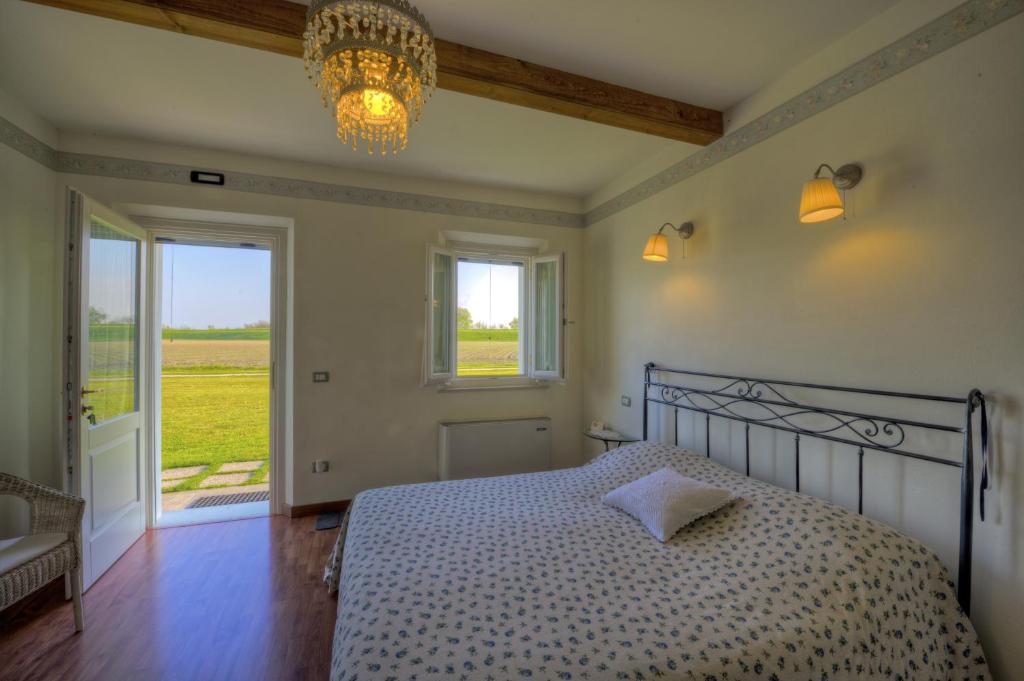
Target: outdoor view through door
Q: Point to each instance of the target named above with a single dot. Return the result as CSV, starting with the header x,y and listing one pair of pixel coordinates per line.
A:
x,y
214,440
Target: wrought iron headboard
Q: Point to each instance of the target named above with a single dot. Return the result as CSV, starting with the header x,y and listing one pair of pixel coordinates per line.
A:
x,y
762,402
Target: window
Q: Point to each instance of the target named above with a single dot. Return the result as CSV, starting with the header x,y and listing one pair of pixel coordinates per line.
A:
x,y
492,317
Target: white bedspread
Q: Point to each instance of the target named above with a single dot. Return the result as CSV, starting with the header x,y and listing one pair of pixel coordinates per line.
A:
x,y
530,576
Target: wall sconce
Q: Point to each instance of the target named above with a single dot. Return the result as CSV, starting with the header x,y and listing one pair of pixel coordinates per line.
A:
x,y
820,200
656,249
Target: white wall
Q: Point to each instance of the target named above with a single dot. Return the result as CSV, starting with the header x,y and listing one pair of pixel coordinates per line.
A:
x,y
358,312
28,378
919,290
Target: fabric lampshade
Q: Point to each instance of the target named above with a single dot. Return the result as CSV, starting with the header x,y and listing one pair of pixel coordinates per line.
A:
x,y
820,201
656,248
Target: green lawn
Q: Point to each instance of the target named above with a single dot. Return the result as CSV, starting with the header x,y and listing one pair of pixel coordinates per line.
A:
x,y
215,395
212,420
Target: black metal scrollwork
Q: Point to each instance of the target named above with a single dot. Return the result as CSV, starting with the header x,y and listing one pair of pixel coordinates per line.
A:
x,y
875,432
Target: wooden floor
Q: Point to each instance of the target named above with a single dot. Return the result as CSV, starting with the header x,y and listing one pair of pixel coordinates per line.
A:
x,y
233,600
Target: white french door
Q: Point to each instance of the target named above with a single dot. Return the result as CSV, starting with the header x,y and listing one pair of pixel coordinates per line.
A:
x,y
106,376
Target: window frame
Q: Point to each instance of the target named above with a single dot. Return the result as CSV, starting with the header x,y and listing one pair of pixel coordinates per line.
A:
x,y
431,377
527,377
462,255
558,372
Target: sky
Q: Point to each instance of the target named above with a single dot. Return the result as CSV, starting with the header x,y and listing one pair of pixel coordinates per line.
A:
x,y
490,292
213,286
230,287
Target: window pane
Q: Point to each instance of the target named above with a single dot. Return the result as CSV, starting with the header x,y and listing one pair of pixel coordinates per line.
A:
x,y
441,302
113,315
488,319
546,305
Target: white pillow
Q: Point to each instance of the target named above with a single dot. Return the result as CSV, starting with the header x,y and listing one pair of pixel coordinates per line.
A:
x,y
666,501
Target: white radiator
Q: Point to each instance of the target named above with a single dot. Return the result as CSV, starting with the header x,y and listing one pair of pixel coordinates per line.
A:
x,y
480,449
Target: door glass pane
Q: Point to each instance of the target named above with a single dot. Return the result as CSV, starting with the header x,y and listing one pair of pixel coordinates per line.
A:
x,y
546,303
113,318
442,306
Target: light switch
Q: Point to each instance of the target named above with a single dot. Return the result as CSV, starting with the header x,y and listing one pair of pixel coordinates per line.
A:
x,y
626,400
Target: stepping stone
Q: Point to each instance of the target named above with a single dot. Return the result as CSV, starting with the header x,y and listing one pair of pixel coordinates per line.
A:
x,y
239,466
167,484
229,479
182,473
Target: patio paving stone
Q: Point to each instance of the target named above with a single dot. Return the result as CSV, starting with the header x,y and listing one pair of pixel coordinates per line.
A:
x,y
182,473
239,466
228,479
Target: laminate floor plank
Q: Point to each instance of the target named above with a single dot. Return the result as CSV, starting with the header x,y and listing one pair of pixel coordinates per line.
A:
x,y
223,601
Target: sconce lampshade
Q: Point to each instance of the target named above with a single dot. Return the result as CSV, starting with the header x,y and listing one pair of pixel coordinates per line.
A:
x,y
820,201
656,249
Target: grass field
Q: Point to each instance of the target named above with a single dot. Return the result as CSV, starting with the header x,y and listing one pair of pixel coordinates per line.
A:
x,y
259,334
488,352
216,393
490,335
122,332
211,420
214,356
215,401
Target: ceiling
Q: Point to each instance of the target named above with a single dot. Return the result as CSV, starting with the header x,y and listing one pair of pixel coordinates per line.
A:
x,y
87,74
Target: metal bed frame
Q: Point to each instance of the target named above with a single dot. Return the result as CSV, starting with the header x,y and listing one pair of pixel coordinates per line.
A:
x,y
762,402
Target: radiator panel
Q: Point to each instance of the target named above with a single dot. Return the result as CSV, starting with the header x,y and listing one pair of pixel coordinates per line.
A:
x,y
480,449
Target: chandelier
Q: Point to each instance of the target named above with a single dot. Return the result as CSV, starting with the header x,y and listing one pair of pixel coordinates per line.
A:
x,y
374,64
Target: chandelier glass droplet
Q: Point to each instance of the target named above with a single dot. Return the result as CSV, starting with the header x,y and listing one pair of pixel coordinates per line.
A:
x,y
375,67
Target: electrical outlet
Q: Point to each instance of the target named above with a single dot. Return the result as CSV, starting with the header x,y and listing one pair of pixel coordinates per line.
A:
x,y
321,376
321,466
626,400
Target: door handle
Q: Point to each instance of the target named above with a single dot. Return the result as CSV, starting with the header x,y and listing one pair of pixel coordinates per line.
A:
x,y
90,416
86,391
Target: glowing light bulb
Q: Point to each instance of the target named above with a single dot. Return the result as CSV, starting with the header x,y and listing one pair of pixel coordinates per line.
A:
x,y
378,102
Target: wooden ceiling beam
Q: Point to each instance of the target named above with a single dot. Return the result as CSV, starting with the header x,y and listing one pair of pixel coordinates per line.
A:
x,y
277,26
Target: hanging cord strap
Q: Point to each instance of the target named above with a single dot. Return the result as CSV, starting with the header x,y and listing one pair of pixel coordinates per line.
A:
x,y
980,401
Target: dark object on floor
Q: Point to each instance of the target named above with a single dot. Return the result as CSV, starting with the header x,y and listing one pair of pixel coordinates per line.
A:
x,y
327,521
227,499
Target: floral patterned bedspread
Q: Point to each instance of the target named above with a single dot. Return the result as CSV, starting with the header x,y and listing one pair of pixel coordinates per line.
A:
x,y
531,576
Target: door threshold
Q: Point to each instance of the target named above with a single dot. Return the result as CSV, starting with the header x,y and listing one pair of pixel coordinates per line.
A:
x,y
214,514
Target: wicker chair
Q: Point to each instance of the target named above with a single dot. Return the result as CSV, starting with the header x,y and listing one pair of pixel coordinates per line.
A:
x,y
52,548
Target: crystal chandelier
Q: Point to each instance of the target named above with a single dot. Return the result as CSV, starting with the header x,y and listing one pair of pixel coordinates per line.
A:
x,y
374,64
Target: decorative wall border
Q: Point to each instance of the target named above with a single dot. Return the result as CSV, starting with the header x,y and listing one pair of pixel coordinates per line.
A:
x,y
25,143
954,27
959,24
130,169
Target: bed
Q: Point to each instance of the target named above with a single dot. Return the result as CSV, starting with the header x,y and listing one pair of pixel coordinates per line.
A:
x,y
531,576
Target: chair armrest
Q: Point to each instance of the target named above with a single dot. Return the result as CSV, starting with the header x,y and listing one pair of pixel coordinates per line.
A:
x,y
50,510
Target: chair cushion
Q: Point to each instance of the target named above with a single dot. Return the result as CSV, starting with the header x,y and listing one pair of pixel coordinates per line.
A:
x,y
20,550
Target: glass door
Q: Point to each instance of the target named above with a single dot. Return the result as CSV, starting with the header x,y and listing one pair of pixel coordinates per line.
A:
x,y
106,379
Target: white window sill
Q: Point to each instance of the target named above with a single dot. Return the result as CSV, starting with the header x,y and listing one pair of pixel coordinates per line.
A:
x,y
500,383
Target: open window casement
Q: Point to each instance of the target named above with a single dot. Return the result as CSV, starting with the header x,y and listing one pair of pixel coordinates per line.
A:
x,y
542,313
547,330
439,355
